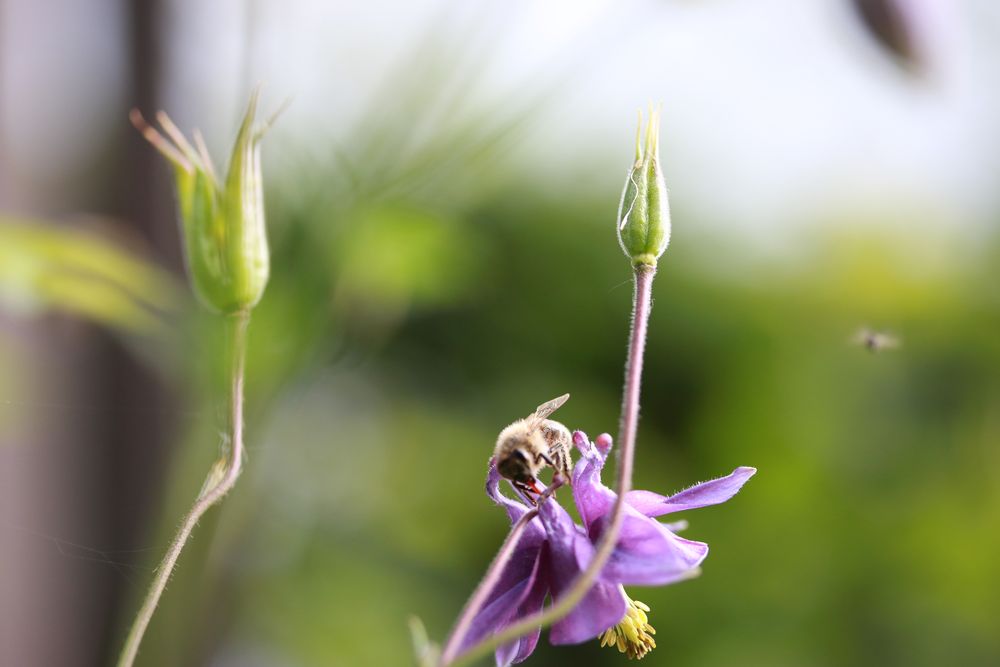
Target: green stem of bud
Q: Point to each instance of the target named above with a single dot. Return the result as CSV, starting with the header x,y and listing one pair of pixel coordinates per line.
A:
x,y
221,479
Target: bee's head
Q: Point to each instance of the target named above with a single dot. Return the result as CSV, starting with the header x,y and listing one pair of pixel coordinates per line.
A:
x,y
516,467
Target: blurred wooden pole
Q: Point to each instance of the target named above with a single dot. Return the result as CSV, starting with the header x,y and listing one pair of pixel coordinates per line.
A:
x,y
140,428
82,467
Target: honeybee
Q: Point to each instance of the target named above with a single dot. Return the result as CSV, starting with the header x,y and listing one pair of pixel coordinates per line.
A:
x,y
530,444
875,341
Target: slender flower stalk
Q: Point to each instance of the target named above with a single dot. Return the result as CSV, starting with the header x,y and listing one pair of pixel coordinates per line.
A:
x,y
644,231
225,243
220,481
582,570
642,305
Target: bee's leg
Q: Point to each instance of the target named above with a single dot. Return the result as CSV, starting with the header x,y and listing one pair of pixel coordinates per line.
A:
x,y
558,465
541,456
562,464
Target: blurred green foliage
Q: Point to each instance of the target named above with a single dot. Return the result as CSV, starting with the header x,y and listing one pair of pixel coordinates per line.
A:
x,y
412,314
399,338
78,270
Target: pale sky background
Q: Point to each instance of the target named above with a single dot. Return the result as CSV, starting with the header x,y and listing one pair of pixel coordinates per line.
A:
x,y
778,114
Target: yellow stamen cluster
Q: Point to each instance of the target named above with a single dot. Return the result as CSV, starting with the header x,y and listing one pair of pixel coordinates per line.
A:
x,y
633,635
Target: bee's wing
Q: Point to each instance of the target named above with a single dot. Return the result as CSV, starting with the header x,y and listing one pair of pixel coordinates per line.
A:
x,y
876,340
543,411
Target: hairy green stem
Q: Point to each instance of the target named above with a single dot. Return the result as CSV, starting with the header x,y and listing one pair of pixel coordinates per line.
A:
x,y
641,306
220,481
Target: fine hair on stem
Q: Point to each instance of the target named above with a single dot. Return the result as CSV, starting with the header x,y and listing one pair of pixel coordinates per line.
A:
x,y
221,479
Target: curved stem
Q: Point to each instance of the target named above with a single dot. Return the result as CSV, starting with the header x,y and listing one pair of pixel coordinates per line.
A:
x,y
642,304
216,487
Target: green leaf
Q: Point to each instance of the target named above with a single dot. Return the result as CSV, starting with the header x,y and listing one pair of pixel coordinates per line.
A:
x,y
43,268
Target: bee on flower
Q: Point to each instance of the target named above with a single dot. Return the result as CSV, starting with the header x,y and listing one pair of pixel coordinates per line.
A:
x,y
553,550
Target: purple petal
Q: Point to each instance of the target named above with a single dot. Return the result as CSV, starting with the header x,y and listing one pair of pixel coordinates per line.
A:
x,y
519,649
597,450
592,498
602,607
504,655
603,444
514,508
519,577
708,493
494,614
647,553
564,536
516,582
582,443
569,551
589,456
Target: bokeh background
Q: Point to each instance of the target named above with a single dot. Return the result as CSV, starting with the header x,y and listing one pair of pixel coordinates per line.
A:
x,y
441,195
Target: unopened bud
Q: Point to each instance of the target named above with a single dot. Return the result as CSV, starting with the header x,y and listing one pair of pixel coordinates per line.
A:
x,y
644,215
222,223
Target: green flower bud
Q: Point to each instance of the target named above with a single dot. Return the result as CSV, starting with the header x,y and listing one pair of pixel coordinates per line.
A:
x,y
222,224
643,214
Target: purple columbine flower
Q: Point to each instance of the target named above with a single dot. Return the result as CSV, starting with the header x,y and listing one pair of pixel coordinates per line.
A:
x,y
553,550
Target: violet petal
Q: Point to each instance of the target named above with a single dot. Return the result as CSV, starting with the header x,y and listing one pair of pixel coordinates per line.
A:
x,y
569,553
707,493
603,443
516,582
647,553
519,650
592,498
